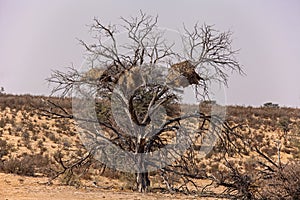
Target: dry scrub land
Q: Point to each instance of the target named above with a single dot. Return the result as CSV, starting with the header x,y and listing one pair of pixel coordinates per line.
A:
x,y
31,146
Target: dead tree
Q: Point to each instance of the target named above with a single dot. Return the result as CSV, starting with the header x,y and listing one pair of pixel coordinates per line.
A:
x,y
115,76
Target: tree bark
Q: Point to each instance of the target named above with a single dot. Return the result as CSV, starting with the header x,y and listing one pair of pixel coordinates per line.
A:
x,y
143,182
142,178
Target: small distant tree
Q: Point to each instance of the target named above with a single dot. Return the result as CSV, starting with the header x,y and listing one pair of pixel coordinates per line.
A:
x,y
2,90
207,57
285,124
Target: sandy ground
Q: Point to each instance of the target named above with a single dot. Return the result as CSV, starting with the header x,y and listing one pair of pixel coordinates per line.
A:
x,y
13,187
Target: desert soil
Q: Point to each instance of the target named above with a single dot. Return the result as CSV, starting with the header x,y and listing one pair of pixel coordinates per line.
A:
x,y
14,187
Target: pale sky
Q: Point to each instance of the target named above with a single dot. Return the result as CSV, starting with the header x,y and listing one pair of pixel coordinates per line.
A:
x,y
37,36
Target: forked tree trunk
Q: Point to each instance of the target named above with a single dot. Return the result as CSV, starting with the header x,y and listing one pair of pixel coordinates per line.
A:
x,y
142,181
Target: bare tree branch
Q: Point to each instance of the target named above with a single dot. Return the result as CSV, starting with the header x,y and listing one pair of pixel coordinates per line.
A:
x,y
207,57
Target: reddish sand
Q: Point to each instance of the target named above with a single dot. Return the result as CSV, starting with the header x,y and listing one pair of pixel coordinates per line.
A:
x,y
13,187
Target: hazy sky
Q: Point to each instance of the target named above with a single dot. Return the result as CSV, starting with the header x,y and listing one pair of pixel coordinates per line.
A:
x,y
38,35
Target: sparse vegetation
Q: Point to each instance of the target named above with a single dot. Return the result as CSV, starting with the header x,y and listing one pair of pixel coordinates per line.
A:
x,y
245,165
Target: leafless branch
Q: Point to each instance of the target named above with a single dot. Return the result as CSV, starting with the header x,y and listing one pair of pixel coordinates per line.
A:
x,y
208,57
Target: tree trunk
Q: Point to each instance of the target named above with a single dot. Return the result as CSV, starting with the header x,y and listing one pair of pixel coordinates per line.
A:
x,y
142,178
142,181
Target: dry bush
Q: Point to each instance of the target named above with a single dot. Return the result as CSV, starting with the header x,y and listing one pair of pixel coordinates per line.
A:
x,y
2,122
52,137
284,184
129,180
270,150
70,178
29,102
239,185
5,148
70,169
27,165
22,166
259,116
25,136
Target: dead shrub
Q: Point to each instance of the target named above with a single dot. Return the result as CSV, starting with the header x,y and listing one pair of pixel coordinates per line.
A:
x,y
4,148
284,184
27,165
21,166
